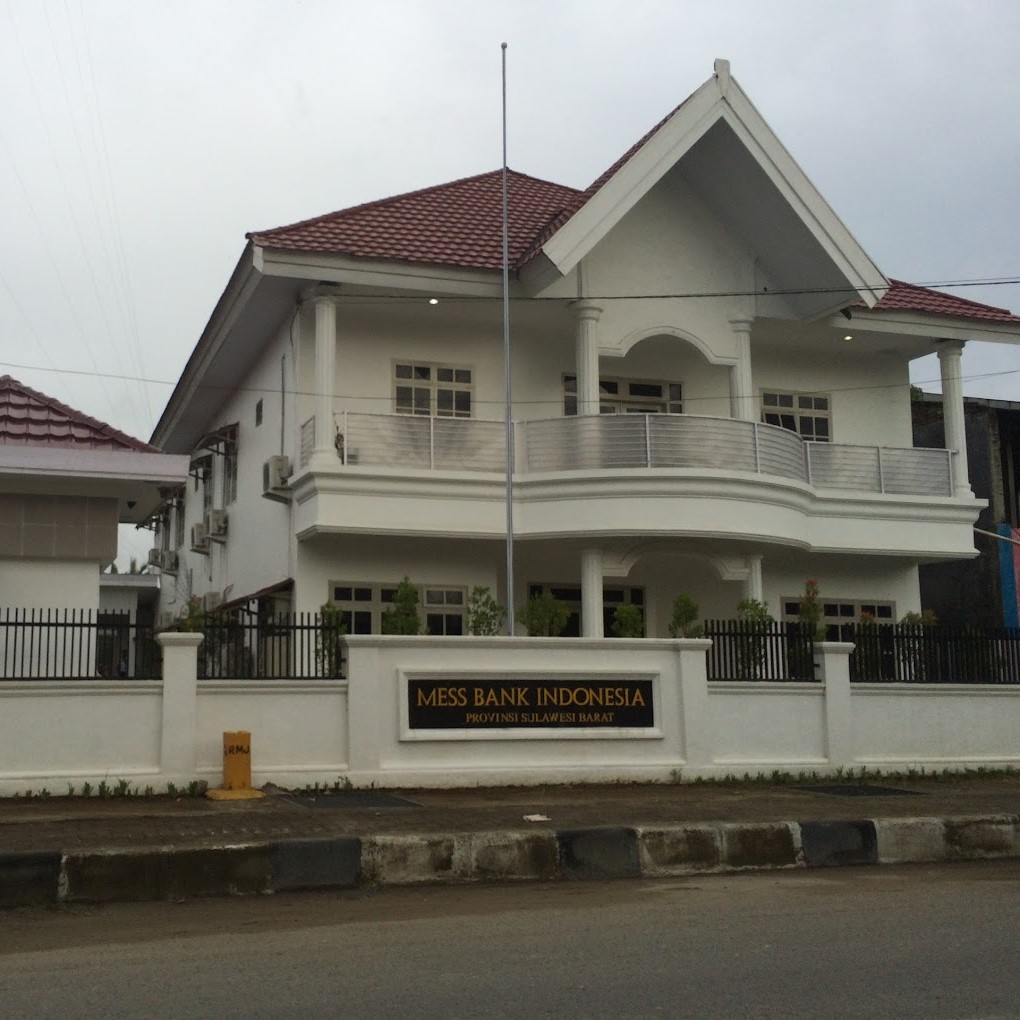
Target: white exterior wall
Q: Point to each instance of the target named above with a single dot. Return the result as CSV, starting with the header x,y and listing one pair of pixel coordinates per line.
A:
x,y
49,584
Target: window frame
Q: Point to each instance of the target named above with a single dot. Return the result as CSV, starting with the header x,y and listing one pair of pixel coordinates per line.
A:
x,y
615,396
798,413
574,623
838,625
380,598
434,388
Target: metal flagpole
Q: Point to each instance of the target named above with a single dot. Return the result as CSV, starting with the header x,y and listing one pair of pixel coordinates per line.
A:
x,y
506,376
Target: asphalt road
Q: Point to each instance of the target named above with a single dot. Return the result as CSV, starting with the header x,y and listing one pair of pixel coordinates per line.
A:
x,y
939,941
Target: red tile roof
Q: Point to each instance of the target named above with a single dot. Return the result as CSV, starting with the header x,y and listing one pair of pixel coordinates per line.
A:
x,y
455,224
460,224
30,418
908,297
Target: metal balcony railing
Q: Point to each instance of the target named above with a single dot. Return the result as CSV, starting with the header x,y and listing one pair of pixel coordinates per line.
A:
x,y
638,441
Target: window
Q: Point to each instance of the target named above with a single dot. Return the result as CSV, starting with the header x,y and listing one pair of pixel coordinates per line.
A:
x,y
440,390
178,515
571,596
839,616
628,396
362,606
201,471
230,470
258,412
444,611
807,414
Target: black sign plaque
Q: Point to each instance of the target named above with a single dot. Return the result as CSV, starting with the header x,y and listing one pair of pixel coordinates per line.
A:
x,y
482,703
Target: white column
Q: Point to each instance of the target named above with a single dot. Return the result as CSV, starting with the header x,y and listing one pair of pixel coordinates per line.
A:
x,y
833,661
950,352
753,588
586,317
591,594
743,400
178,754
324,454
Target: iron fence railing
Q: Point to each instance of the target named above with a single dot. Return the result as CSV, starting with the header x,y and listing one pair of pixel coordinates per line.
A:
x,y
749,650
76,644
291,646
934,654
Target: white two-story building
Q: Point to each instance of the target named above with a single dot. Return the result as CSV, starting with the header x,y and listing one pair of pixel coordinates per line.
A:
x,y
710,395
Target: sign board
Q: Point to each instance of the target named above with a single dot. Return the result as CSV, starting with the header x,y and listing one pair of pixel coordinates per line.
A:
x,y
531,702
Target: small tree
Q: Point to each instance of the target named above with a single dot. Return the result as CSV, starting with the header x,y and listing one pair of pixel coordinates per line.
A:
x,y
684,621
755,621
402,616
628,622
485,616
868,653
329,640
810,610
544,615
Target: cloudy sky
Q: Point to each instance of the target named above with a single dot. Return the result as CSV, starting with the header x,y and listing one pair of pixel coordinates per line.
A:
x,y
140,140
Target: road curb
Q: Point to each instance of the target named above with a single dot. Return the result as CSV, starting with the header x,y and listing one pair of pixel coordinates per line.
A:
x,y
172,873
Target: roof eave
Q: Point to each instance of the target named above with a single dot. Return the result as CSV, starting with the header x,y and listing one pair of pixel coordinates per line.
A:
x,y
934,327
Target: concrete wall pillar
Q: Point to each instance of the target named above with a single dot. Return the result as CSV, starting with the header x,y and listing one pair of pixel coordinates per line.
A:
x,y
178,753
833,662
591,594
753,586
950,354
695,715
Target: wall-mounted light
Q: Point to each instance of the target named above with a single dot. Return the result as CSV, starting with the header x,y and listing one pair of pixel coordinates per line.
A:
x,y
849,336
433,301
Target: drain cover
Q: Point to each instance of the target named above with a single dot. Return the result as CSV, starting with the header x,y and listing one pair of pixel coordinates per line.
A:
x,y
347,799
860,790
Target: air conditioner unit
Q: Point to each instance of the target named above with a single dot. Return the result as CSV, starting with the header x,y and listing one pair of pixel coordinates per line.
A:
x,y
275,473
168,563
154,557
216,524
199,539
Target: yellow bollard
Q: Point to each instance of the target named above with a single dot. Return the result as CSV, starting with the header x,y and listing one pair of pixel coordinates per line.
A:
x,y
236,769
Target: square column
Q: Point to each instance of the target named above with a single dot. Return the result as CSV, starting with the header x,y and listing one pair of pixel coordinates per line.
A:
x,y
950,353
324,302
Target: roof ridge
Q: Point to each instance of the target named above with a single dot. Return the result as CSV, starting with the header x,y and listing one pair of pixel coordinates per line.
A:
x,y
402,196
8,382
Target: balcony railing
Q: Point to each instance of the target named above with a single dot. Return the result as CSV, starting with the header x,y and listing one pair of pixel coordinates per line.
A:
x,y
605,442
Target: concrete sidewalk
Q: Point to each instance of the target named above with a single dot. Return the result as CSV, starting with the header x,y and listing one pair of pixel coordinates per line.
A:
x,y
149,849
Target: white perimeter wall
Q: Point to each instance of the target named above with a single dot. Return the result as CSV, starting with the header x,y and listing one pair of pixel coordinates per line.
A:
x,y
57,733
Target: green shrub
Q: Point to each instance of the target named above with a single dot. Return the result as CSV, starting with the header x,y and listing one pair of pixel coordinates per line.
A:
x,y
329,640
684,621
755,623
402,616
544,615
628,622
485,616
810,610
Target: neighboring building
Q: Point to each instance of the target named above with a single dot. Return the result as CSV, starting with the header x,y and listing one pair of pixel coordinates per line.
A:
x,y
983,590
710,391
66,482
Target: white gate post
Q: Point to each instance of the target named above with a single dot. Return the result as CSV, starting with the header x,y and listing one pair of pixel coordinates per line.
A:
x,y
178,750
692,662
833,659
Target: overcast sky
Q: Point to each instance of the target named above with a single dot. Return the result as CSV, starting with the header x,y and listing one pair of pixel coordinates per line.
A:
x,y
140,140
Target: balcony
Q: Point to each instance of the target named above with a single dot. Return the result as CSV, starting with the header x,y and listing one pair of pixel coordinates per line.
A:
x,y
639,442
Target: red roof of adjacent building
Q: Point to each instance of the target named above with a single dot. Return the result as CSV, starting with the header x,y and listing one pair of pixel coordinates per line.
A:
x,y
30,418
908,297
461,224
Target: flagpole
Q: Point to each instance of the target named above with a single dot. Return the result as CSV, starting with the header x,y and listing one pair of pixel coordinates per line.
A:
x,y
506,378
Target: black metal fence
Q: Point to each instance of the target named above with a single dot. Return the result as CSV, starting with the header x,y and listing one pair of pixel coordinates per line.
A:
x,y
752,650
76,644
934,654
285,647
